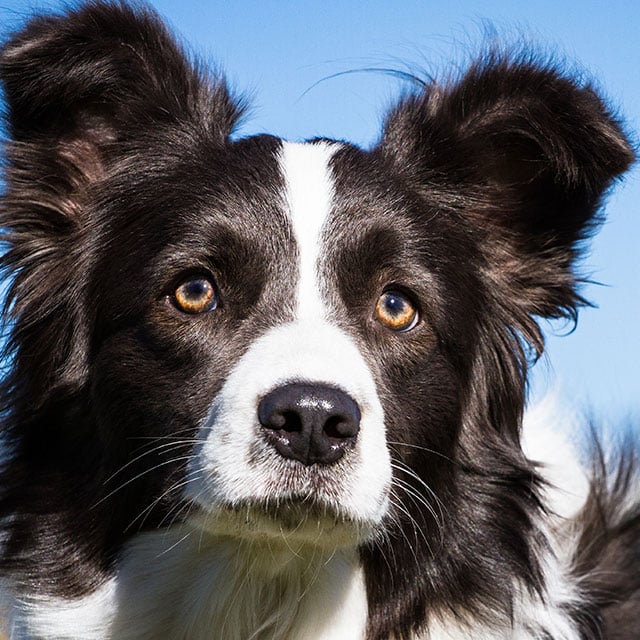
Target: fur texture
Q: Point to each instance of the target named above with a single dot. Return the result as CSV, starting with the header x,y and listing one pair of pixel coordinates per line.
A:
x,y
150,489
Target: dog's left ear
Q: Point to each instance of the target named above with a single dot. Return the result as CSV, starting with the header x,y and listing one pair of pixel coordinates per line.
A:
x,y
524,154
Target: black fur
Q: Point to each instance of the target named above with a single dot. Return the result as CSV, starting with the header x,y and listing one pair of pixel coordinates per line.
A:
x,y
107,87
480,194
522,155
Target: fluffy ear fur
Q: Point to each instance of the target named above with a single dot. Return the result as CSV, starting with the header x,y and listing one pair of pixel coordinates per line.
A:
x,y
80,89
106,66
519,155
525,154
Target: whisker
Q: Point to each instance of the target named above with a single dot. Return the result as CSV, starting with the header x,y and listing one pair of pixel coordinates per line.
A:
x,y
400,507
138,476
397,443
173,435
168,446
418,500
400,466
174,545
149,508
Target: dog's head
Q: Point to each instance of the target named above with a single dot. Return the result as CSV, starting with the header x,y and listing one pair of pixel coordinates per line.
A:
x,y
309,341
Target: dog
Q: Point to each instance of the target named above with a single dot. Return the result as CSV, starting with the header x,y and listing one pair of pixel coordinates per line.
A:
x,y
272,390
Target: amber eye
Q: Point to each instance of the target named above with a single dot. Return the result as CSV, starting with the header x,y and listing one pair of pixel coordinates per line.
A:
x,y
395,311
196,295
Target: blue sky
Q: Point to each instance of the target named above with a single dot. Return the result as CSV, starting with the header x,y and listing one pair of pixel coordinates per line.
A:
x,y
284,54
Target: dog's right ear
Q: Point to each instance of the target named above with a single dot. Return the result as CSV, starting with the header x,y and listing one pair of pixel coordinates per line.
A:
x,y
80,88
77,82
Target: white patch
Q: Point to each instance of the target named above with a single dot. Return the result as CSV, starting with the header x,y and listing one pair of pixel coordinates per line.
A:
x,y
88,618
547,431
182,584
207,584
234,467
528,628
533,617
546,439
309,194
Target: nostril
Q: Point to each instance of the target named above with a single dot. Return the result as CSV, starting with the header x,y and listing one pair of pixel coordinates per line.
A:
x,y
309,423
341,426
272,415
287,421
332,427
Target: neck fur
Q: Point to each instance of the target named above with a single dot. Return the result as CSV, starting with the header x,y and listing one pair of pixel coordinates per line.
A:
x,y
218,586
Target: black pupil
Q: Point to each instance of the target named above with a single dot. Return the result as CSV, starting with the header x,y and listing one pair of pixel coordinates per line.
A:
x,y
197,289
395,305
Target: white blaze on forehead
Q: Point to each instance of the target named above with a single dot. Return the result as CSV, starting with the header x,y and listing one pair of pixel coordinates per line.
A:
x,y
234,464
309,193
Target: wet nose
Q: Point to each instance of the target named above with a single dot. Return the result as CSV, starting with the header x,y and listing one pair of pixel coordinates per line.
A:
x,y
310,423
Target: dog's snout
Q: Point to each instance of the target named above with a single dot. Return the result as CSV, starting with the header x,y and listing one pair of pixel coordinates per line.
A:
x,y
313,424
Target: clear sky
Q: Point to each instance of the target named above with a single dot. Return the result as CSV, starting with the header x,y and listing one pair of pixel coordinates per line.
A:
x,y
287,53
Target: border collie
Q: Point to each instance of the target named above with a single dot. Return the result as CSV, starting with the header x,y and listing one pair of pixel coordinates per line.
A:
x,y
265,390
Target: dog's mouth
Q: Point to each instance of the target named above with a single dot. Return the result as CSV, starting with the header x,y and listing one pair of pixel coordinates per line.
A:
x,y
294,520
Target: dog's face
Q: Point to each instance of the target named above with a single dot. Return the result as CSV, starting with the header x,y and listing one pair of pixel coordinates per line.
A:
x,y
303,341
275,320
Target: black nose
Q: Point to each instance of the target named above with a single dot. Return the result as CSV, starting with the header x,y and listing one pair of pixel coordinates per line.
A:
x,y
313,424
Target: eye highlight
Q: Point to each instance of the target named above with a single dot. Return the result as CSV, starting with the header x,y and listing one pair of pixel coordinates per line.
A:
x,y
395,311
196,295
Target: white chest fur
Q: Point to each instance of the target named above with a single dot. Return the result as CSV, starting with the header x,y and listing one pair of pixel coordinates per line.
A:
x,y
174,588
